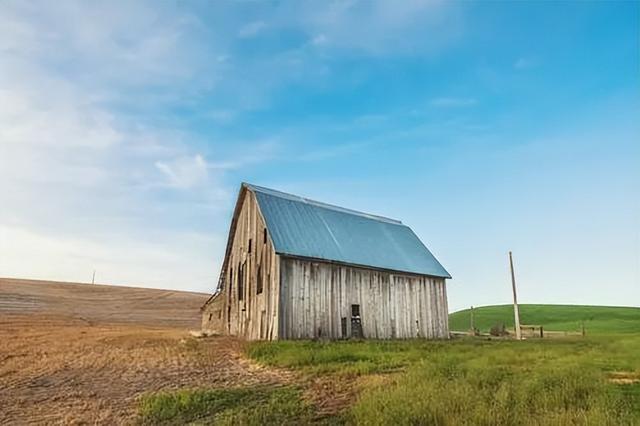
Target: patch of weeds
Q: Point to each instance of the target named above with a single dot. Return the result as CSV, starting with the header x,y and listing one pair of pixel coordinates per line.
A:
x,y
237,406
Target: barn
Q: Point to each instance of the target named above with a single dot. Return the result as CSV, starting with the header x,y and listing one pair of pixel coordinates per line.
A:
x,y
295,268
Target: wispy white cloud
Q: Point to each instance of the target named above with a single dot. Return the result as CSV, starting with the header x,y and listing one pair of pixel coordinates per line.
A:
x,y
184,172
84,165
91,162
452,102
379,27
319,40
251,29
524,63
223,116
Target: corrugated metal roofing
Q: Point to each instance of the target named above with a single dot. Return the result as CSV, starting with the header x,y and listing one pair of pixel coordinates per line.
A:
x,y
307,228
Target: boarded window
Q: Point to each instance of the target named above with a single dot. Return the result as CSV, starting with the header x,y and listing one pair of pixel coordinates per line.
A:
x,y
260,283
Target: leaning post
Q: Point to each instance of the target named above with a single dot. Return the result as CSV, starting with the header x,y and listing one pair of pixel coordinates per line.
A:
x,y
516,314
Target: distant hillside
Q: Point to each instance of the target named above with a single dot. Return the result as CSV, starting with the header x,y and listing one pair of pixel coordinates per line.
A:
x,y
96,303
597,319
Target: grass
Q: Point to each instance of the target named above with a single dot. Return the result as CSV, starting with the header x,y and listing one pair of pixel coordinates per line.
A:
x,y
345,358
507,383
239,406
482,382
470,381
448,392
597,319
477,382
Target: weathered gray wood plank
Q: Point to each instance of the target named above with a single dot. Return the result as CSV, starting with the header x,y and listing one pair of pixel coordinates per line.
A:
x,y
391,305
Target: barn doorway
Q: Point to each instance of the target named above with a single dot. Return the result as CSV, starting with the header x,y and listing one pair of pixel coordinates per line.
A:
x,y
356,322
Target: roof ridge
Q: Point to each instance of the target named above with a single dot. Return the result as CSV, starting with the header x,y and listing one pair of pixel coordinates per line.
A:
x,y
293,197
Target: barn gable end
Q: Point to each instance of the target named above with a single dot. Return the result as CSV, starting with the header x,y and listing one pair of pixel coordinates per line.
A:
x,y
246,301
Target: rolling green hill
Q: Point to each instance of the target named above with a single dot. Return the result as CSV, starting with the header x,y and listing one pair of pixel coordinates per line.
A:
x,y
597,319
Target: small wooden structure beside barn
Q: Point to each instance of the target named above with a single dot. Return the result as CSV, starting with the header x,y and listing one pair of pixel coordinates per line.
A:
x,y
300,269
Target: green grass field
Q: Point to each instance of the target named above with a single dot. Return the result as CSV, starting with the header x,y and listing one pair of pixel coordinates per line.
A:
x,y
598,320
233,406
592,380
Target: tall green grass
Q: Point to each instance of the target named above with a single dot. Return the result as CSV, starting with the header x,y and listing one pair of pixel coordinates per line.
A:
x,y
474,381
596,319
451,390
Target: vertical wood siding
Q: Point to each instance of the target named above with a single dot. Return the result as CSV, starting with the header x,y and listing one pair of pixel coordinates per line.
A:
x,y
250,314
316,296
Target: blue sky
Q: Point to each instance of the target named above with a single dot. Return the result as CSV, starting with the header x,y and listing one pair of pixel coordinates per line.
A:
x,y
126,129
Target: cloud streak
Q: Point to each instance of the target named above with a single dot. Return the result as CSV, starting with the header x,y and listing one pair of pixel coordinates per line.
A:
x,y
453,102
251,29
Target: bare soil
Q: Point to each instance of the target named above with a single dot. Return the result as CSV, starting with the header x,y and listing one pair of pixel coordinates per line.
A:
x,y
83,354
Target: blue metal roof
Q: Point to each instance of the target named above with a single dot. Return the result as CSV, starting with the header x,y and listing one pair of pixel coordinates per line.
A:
x,y
307,228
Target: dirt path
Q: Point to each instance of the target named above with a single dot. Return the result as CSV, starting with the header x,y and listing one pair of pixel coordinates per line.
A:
x,y
57,370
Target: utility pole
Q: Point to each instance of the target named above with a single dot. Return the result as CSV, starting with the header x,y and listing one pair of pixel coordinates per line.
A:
x,y
93,279
473,326
516,314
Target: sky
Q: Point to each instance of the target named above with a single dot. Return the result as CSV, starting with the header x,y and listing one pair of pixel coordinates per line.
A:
x,y
126,129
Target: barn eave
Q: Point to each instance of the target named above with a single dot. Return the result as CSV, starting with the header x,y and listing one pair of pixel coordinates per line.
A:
x,y
360,266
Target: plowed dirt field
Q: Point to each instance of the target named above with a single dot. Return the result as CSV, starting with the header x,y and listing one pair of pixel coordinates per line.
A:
x,y
83,354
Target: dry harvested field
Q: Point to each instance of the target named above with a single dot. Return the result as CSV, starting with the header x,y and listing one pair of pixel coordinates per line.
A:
x,y
101,304
91,354
82,353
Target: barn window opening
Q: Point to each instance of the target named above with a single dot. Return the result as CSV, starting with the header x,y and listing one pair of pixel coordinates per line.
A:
x,y
355,310
264,236
240,282
259,284
250,245
230,279
210,316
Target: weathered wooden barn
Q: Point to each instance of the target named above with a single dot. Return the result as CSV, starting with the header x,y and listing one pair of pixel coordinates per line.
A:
x,y
300,269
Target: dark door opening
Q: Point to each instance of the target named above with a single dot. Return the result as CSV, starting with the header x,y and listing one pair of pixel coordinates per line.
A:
x,y
356,322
